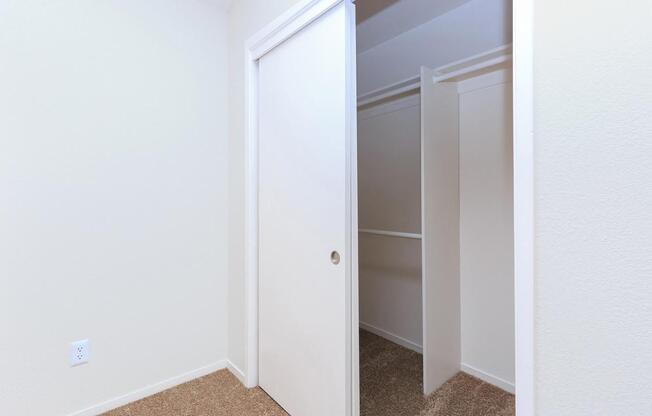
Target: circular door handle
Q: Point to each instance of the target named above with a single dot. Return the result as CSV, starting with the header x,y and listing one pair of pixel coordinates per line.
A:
x,y
335,257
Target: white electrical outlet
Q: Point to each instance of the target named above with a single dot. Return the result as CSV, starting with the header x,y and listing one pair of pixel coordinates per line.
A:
x,y
79,352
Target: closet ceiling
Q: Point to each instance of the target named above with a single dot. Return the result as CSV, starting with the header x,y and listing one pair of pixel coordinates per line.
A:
x,y
381,20
223,4
473,27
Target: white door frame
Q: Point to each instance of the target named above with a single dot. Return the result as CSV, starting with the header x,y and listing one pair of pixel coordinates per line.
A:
x,y
523,81
281,29
299,16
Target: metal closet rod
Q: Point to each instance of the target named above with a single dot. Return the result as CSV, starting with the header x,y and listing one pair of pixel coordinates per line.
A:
x,y
390,233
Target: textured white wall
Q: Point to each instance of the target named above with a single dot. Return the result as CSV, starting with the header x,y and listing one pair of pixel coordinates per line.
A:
x,y
113,179
246,17
593,207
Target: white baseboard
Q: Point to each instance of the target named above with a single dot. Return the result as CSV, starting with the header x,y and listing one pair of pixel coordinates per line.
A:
x,y
392,337
239,374
496,381
152,389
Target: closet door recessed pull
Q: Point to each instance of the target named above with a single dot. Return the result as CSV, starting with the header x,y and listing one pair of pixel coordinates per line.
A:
x,y
335,257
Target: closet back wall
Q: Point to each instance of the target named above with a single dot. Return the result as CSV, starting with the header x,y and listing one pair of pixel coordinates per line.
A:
x,y
389,175
486,227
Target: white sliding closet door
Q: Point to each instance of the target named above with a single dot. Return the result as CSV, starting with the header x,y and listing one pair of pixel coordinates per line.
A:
x,y
441,219
305,134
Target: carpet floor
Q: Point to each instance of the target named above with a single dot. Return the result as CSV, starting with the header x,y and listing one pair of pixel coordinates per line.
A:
x,y
390,385
217,394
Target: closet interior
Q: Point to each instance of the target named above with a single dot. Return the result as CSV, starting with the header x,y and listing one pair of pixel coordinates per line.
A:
x,y
435,206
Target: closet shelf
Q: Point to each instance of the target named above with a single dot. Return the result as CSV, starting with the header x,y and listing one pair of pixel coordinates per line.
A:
x,y
447,72
390,233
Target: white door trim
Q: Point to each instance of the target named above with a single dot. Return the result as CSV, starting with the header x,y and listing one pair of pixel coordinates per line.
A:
x,y
523,79
296,18
281,29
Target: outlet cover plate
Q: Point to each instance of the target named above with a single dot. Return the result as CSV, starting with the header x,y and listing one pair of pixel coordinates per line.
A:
x,y
79,352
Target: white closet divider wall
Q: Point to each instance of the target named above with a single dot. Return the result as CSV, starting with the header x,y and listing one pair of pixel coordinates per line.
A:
x,y
440,215
473,105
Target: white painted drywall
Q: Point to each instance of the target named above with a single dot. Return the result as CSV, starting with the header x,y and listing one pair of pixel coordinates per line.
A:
x,y
593,207
113,177
380,21
486,227
389,178
245,18
389,198
472,28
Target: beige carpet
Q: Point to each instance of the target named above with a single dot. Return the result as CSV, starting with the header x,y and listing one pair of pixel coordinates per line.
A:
x,y
390,385
217,394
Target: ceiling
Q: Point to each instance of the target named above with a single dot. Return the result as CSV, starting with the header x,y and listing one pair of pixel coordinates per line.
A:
x,y
381,20
367,8
223,4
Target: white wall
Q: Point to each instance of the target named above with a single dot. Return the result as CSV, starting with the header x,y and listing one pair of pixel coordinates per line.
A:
x,y
472,28
113,177
389,198
246,17
382,20
593,216
486,227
